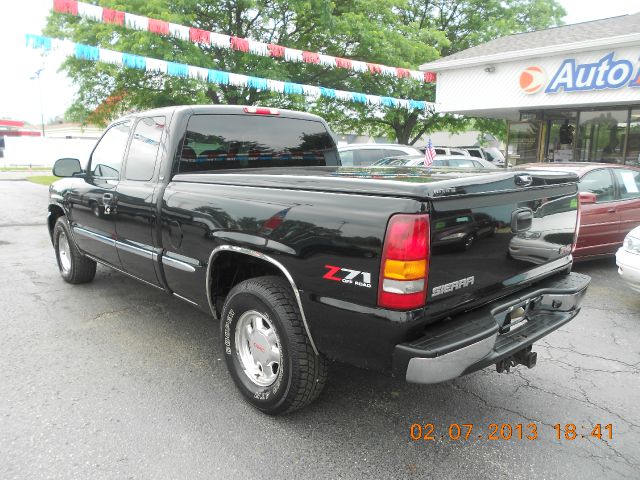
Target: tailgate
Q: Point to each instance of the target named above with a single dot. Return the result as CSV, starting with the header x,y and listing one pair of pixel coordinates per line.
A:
x,y
490,239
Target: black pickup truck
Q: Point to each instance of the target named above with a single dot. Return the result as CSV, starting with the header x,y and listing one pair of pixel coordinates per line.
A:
x,y
246,213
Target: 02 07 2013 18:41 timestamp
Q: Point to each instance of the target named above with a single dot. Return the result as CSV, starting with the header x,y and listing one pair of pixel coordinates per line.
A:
x,y
508,431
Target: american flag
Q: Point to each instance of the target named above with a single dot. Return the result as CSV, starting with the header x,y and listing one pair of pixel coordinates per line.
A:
x,y
429,154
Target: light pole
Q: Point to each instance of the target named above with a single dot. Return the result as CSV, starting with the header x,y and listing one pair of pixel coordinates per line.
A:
x,y
37,75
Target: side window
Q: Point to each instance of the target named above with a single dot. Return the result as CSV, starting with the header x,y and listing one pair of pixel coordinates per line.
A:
x,y
462,163
106,158
365,157
141,160
600,183
474,153
346,158
393,153
629,183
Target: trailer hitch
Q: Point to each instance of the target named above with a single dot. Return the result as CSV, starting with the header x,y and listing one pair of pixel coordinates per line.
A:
x,y
524,357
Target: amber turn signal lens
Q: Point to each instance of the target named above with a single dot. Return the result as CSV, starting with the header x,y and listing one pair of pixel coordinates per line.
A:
x,y
405,270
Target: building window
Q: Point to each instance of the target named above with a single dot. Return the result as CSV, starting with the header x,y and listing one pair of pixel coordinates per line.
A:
x,y
633,145
601,136
523,141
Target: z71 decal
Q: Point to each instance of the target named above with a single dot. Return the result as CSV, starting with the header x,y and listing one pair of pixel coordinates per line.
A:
x,y
347,275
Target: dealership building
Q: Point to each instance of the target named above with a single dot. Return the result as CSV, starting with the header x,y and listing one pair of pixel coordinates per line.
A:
x,y
568,93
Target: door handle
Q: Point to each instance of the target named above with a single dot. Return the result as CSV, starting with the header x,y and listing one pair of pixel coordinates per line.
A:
x,y
611,210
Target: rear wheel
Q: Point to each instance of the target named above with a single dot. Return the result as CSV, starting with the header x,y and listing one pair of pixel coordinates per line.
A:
x,y
267,350
74,267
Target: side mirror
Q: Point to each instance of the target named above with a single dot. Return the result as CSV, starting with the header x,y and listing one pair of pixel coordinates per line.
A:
x,y
67,167
587,198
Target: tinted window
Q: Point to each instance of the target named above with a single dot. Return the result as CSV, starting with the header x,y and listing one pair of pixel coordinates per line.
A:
x,y
215,142
598,182
440,151
346,158
629,183
474,153
462,163
368,156
141,160
457,152
106,159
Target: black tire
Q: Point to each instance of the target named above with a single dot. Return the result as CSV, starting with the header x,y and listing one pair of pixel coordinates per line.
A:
x,y
74,267
301,374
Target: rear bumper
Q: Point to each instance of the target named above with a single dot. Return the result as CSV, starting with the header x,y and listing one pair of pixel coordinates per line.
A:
x,y
482,337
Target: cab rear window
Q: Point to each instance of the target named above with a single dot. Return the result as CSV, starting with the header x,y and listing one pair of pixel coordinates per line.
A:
x,y
216,142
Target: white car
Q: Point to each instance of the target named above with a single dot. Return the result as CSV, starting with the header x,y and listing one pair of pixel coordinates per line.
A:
x,y
628,259
440,161
365,154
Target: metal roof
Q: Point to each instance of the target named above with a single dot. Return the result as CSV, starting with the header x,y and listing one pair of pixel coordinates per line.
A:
x,y
596,31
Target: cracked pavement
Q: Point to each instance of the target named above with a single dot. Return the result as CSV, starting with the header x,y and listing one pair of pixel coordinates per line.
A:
x,y
118,380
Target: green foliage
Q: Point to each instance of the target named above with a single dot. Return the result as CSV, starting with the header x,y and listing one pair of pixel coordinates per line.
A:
x,y
403,33
42,179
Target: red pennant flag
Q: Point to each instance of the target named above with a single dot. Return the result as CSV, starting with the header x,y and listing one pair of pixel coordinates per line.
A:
x,y
158,26
240,44
112,16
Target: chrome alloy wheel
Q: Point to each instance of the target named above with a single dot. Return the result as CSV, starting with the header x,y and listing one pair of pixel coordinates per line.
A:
x,y
258,348
64,252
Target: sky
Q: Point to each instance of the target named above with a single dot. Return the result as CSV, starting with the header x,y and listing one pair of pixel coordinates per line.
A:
x,y
20,95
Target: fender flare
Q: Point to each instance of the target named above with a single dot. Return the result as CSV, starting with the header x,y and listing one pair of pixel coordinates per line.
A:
x,y
267,258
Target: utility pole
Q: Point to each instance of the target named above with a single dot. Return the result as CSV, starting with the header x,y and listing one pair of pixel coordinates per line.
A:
x,y
37,76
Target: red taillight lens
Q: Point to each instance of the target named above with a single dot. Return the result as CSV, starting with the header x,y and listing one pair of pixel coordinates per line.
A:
x,y
405,263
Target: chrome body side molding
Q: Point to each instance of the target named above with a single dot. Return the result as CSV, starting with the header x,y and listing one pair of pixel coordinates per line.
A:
x,y
175,263
267,258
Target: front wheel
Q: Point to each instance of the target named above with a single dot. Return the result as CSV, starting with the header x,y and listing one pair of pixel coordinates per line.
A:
x,y
267,350
74,267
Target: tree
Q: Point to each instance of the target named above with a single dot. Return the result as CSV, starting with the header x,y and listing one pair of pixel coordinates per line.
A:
x,y
401,33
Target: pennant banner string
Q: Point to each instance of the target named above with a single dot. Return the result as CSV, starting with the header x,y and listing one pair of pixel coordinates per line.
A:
x,y
205,37
219,77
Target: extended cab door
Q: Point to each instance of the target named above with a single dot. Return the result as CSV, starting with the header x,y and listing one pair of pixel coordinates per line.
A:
x,y
92,202
136,200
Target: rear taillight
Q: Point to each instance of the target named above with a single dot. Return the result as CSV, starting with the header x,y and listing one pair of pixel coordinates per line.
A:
x,y
405,263
262,110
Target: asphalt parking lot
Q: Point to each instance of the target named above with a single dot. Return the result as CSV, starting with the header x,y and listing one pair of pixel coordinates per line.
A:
x,y
117,380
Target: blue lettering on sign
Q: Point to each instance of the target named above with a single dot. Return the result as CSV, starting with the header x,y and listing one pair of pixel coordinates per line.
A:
x,y
605,73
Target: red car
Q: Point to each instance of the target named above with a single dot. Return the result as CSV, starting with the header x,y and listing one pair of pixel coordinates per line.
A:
x,y
609,203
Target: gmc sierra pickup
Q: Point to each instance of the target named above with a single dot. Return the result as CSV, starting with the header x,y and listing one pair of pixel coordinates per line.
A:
x,y
246,213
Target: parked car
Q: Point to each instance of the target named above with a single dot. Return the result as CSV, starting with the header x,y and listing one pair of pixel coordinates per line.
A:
x,y
462,229
628,259
246,214
450,162
491,154
365,154
609,204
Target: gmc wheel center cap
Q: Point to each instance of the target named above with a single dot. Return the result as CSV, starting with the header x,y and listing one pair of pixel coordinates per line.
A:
x,y
258,345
